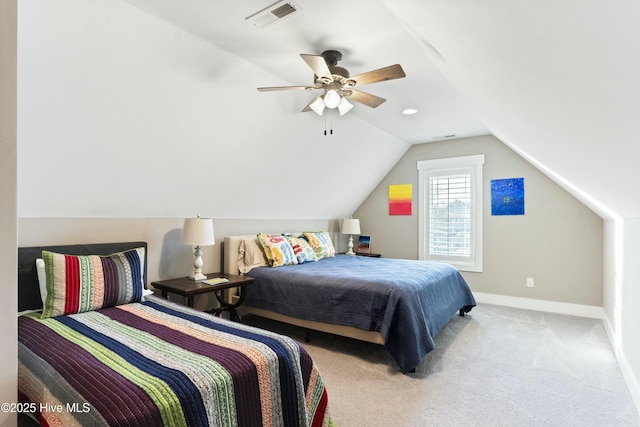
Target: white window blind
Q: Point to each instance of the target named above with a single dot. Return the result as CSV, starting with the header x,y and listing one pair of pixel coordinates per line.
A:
x,y
450,211
450,208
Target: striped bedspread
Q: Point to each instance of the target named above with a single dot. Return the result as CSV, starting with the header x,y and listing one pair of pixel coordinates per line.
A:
x,y
157,363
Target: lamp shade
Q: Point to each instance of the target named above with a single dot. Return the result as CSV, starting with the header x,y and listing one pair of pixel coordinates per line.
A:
x,y
317,105
332,98
351,226
344,106
198,232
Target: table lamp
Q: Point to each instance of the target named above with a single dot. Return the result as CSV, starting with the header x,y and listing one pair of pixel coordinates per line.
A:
x,y
198,232
351,226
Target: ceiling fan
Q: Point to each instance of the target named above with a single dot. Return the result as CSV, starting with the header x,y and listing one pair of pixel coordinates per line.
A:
x,y
337,85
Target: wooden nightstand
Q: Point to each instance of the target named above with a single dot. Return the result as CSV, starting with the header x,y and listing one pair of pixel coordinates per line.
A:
x,y
188,288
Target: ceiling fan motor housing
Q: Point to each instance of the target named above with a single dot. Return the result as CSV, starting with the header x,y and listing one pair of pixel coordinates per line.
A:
x,y
332,57
339,71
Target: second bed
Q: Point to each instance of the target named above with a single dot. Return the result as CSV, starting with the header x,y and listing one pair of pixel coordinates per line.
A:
x,y
399,303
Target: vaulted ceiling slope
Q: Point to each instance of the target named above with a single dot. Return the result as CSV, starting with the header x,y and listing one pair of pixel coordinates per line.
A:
x,y
556,80
123,115
157,99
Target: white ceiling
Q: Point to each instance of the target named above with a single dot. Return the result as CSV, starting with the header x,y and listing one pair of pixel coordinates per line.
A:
x,y
556,80
369,36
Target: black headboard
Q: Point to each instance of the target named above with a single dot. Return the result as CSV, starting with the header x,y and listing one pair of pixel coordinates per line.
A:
x,y
28,288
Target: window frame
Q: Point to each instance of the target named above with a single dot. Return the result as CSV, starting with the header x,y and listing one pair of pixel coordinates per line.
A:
x,y
438,167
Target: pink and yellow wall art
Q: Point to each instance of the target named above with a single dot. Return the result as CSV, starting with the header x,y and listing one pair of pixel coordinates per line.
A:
x,y
400,198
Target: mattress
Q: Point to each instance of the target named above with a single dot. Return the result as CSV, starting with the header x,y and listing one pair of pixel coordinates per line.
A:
x,y
407,301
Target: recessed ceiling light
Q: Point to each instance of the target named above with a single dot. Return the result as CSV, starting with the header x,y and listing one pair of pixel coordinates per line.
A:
x,y
409,111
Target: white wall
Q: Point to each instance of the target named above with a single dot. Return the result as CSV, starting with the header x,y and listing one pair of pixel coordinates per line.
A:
x,y
124,115
622,296
630,297
8,196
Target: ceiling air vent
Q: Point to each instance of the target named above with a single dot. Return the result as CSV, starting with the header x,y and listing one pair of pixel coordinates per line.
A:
x,y
272,13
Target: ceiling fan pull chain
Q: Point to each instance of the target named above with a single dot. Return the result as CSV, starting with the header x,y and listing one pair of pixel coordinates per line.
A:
x,y
330,125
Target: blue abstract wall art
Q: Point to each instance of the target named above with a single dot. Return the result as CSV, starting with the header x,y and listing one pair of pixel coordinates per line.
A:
x,y
507,196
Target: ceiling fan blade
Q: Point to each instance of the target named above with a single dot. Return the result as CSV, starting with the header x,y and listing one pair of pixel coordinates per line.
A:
x,y
318,65
387,73
274,88
308,106
365,98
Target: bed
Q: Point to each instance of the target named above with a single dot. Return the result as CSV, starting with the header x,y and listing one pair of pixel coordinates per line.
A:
x,y
400,304
141,360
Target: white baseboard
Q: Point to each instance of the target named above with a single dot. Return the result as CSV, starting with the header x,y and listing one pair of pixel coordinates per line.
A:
x,y
541,305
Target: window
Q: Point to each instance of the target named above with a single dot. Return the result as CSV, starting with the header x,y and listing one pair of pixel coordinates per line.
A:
x,y
450,211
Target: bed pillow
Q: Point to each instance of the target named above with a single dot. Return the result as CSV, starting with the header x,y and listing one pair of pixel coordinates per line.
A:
x,y
277,250
42,279
321,243
80,283
250,256
302,250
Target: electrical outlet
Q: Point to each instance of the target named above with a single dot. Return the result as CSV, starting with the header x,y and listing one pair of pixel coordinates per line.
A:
x,y
530,283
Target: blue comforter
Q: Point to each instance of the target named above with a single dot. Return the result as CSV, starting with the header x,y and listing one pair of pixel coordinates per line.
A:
x,y
407,301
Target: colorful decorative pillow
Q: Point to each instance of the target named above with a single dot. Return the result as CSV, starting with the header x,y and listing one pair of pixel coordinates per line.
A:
x,y
80,283
302,250
42,281
321,243
251,255
277,249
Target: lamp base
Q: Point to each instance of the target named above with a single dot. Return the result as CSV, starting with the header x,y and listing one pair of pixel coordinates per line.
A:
x,y
197,265
350,246
197,276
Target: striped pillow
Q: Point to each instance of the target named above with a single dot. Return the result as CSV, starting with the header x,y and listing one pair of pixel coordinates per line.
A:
x,y
80,283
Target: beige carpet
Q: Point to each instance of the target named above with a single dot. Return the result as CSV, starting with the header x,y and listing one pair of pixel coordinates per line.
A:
x,y
497,366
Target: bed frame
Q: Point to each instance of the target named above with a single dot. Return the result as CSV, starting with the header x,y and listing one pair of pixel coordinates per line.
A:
x,y
28,287
230,265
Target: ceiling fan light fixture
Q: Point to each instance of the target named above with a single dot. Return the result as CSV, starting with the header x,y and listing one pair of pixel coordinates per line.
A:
x,y
332,98
317,105
344,106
